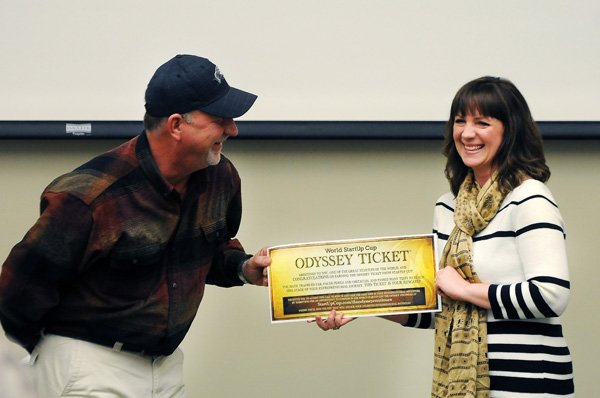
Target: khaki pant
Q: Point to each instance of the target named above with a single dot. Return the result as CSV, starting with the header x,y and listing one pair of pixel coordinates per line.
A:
x,y
66,367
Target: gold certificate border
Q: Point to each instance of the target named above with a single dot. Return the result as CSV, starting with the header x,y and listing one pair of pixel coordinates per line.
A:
x,y
359,277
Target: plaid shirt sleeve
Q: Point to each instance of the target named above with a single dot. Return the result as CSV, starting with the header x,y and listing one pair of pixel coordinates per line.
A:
x,y
39,264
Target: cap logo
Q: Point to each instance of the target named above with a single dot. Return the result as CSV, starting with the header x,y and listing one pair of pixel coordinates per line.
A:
x,y
218,75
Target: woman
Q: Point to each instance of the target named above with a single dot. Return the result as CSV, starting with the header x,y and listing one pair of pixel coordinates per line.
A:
x,y
503,269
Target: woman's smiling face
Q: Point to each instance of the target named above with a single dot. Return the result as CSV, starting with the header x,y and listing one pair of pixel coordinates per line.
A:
x,y
477,139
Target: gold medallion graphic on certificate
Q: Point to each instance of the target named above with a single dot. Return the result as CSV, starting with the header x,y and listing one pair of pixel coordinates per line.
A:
x,y
359,277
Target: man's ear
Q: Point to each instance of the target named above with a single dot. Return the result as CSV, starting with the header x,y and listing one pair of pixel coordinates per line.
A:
x,y
174,124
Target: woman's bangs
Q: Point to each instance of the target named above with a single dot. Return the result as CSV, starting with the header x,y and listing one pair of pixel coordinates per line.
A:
x,y
478,100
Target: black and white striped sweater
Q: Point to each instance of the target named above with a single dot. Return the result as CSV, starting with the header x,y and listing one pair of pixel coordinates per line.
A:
x,y
522,254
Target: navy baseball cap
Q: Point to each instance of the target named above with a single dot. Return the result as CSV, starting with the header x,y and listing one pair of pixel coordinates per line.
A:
x,y
187,82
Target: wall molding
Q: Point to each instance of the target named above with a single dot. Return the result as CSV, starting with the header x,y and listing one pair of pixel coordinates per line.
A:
x,y
278,130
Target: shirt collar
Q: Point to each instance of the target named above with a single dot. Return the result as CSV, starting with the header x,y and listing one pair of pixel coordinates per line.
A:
x,y
144,155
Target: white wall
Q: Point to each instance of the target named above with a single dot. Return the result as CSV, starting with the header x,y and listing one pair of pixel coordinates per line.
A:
x,y
307,60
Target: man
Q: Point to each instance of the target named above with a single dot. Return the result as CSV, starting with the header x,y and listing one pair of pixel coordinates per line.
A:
x,y
105,285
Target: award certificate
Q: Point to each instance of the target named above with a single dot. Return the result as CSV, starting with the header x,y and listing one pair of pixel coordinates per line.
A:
x,y
359,277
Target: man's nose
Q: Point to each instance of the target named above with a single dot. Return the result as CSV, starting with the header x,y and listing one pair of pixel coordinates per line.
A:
x,y
230,127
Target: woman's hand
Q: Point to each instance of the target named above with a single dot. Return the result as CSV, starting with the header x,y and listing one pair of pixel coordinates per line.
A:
x,y
333,322
449,283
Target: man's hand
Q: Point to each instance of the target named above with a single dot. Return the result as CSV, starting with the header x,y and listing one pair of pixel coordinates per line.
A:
x,y
255,268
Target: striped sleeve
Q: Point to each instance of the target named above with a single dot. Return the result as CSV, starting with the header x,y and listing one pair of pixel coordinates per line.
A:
x,y
443,221
421,321
540,236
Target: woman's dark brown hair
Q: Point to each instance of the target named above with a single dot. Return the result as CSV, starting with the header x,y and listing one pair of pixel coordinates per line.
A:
x,y
521,151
